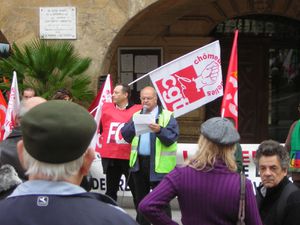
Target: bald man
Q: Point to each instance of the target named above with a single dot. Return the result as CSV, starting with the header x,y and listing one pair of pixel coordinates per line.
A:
x,y
8,147
153,154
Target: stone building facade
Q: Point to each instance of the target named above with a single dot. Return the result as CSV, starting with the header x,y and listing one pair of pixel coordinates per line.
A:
x,y
169,29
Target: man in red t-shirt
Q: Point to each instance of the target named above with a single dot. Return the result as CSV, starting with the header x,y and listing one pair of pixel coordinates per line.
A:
x,y
114,150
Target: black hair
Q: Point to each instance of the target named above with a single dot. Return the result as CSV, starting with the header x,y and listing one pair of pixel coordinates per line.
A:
x,y
60,94
125,89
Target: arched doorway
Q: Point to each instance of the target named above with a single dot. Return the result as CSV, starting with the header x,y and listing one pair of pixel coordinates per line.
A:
x,y
269,74
178,28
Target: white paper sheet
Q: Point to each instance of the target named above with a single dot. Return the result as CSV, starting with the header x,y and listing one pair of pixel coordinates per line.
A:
x,y
141,123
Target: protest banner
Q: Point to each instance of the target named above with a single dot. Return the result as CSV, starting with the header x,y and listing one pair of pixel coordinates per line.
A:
x,y
3,107
190,81
104,95
184,152
229,108
12,108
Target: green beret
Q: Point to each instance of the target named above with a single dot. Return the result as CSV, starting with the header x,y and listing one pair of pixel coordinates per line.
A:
x,y
57,131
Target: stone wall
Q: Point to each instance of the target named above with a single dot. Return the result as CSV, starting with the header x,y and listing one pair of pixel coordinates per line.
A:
x,y
98,23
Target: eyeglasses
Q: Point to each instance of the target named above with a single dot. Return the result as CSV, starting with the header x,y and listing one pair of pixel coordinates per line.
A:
x,y
146,98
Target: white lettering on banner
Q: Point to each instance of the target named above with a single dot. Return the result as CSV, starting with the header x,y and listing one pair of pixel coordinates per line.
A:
x,y
114,133
233,107
174,94
184,152
183,84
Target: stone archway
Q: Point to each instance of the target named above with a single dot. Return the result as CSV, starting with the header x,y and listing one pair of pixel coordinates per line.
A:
x,y
182,26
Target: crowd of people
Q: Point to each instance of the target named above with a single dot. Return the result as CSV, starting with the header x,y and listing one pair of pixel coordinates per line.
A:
x,y
47,157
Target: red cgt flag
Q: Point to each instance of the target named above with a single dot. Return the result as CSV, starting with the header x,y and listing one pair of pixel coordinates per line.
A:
x,y
3,107
229,106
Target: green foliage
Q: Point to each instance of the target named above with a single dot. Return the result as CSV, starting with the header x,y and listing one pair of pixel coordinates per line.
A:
x,y
48,66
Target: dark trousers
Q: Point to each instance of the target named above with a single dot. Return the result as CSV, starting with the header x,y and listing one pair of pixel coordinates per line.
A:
x,y
114,168
143,186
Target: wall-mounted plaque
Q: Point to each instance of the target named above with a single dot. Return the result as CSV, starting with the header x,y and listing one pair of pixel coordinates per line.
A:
x,y
58,23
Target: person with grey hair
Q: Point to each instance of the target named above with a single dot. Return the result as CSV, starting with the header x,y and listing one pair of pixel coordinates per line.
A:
x,y
272,161
56,155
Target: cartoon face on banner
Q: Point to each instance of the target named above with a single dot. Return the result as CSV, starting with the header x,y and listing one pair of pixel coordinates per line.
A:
x,y
196,81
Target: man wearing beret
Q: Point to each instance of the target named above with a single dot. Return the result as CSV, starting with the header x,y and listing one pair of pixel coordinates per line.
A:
x,y
55,154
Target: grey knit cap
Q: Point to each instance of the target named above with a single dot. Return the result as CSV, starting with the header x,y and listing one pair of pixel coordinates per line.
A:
x,y
220,131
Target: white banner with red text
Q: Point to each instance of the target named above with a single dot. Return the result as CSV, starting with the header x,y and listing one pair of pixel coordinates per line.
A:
x,y
184,152
190,81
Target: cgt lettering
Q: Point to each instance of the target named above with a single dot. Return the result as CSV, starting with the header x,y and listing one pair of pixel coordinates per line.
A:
x,y
173,94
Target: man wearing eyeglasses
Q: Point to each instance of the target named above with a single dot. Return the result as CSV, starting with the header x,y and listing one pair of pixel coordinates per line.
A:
x,y
153,154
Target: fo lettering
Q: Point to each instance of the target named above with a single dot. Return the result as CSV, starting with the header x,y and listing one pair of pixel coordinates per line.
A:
x,y
114,133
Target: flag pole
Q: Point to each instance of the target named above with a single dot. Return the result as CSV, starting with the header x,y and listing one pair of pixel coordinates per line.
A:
x,y
136,80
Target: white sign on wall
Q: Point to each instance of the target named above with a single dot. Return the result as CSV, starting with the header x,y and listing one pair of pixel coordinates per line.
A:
x,y
58,23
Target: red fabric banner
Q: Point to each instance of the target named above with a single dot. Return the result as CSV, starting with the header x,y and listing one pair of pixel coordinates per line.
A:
x,y
229,108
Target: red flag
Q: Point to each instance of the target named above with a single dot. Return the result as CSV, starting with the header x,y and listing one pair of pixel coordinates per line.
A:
x,y
13,106
229,107
104,95
3,107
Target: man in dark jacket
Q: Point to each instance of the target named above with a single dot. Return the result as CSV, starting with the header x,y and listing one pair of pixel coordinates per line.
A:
x,y
153,154
292,215
272,161
55,153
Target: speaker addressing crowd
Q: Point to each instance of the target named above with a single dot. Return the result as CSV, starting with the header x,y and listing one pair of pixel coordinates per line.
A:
x,y
153,154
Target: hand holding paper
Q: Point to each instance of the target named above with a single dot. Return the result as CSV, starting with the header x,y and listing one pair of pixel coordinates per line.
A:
x,y
142,122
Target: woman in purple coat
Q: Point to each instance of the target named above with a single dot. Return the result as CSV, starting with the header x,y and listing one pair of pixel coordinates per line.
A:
x,y
207,188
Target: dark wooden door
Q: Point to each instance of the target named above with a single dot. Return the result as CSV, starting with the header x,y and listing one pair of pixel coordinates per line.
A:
x,y
252,88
